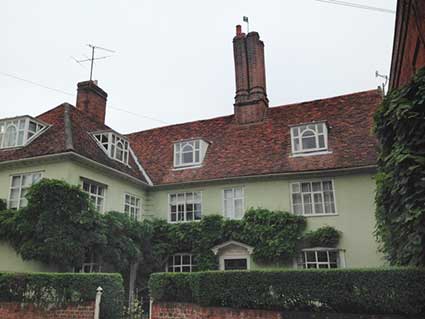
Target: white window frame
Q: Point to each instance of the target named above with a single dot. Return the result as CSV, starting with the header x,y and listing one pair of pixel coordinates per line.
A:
x,y
233,199
137,207
110,146
97,196
22,127
178,153
296,134
313,214
303,263
21,188
185,193
191,264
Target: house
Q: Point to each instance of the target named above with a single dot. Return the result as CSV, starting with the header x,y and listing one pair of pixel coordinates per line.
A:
x,y
409,42
315,158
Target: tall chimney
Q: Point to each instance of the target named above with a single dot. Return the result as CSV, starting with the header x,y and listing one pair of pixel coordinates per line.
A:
x,y
91,100
251,101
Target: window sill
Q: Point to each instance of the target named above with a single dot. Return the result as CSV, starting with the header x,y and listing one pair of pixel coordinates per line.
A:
x,y
179,168
320,215
184,221
310,154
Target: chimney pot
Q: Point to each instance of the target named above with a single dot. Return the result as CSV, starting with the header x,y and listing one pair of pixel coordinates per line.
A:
x,y
91,100
238,30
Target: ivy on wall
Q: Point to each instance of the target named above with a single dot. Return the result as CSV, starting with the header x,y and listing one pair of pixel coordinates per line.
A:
x,y
400,196
60,227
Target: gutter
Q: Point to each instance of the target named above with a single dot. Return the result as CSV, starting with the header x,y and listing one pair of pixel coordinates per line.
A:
x,y
342,171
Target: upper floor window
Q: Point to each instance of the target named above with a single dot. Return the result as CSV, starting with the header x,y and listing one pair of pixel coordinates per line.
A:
x,y
181,263
185,207
114,145
18,131
233,202
309,138
19,186
189,153
132,206
96,193
320,258
313,198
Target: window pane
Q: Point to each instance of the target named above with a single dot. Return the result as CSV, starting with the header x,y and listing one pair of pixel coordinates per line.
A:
x,y
308,142
186,259
318,205
187,158
228,193
317,186
305,187
239,210
295,188
16,181
311,256
327,185
308,209
321,141
238,192
322,256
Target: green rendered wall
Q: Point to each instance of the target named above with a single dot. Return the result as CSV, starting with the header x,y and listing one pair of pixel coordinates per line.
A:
x,y
354,204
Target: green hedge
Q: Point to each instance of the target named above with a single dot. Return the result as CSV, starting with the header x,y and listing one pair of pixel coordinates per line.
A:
x,y
367,291
60,289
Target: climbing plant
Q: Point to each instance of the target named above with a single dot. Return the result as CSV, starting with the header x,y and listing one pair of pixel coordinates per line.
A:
x,y
400,195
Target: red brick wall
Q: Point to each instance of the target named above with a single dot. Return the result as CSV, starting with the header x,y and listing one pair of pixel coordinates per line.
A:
x,y
163,310
409,42
11,310
190,311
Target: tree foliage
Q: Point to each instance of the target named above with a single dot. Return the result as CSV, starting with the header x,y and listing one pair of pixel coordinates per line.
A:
x,y
400,196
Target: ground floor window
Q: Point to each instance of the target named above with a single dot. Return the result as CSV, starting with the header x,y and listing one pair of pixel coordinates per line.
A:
x,y
320,259
91,264
236,264
181,263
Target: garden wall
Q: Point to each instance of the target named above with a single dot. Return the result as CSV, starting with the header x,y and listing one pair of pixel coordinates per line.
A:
x,y
15,310
169,310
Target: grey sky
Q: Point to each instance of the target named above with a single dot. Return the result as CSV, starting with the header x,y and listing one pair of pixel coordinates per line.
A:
x,y
174,59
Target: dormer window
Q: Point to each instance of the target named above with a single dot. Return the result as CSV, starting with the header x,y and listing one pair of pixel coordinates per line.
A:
x,y
18,132
189,153
114,145
309,138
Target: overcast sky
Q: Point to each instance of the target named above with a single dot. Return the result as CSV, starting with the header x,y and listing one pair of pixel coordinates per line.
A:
x,y
174,59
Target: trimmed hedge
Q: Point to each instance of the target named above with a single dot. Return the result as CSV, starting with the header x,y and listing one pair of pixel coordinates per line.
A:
x,y
47,290
366,291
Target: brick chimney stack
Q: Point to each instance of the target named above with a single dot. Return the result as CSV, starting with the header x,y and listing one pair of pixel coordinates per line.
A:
x,y
251,101
91,100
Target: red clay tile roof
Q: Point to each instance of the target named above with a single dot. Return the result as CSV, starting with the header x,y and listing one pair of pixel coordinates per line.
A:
x,y
265,148
76,138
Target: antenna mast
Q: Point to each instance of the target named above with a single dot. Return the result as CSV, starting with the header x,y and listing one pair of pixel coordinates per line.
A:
x,y
92,59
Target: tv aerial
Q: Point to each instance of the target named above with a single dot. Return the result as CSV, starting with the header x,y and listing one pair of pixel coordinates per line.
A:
x,y
93,58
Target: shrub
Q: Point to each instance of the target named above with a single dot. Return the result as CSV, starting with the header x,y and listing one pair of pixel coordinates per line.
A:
x,y
400,194
60,289
369,291
325,236
3,204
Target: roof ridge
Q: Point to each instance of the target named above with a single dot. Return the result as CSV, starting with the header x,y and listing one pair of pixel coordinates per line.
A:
x,y
270,108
